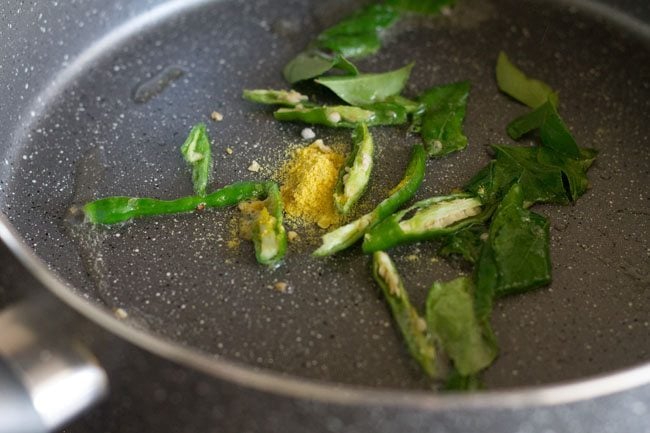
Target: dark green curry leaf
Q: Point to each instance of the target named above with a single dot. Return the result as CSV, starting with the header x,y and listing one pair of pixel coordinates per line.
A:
x,y
466,243
452,319
544,175
514,82
484,183
515,256
441,120
555,172
573,170
358,35
519,244
556,136
366,89
354,37
553,132
527,122
540,183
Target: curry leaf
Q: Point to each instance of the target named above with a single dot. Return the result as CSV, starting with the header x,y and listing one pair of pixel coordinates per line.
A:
x,y
365,89
544,175
345,65
466,243
313,63
554,172
556,136
573,170
452,319
540,183
441,120
196,152
514,82
553,132
527,122
519,240
484,184
358,35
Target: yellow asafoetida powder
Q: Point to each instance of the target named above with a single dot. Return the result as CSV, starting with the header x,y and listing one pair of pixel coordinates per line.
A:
x,y
308,181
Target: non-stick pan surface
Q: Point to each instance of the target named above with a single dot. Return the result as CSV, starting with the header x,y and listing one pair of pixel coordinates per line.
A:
x,y
94,135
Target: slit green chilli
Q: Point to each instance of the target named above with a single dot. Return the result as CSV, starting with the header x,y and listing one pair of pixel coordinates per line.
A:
x,y
344,236
355,173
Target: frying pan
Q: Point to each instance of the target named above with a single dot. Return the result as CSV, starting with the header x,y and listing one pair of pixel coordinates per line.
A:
x,y
77,127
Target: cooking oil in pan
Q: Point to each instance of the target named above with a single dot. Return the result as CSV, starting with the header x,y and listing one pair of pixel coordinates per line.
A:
x,y
157,84
89,174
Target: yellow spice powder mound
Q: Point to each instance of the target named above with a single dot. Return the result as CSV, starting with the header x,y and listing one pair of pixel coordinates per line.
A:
x,y
309,178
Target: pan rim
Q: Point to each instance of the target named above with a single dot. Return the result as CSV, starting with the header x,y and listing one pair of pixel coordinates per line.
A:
x,y
334,393
293,386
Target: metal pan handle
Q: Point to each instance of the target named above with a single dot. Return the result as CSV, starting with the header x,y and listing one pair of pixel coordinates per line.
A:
x,y
45,377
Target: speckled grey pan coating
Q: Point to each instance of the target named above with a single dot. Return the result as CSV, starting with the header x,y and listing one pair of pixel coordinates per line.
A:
x,y
175,276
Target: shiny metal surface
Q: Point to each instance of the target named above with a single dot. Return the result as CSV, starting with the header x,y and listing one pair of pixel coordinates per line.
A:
x,y
17,413
59,376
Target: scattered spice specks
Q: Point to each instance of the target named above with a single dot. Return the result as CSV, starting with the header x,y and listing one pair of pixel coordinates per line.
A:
x,y
282,287
254,167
